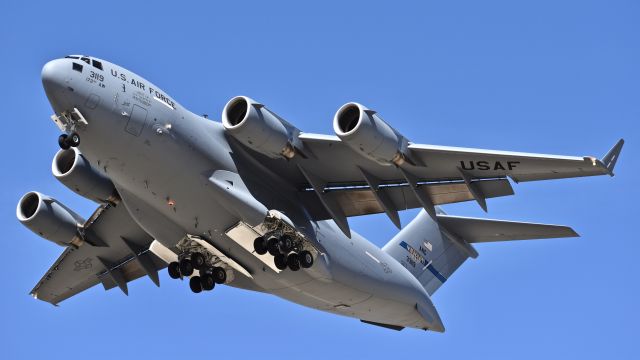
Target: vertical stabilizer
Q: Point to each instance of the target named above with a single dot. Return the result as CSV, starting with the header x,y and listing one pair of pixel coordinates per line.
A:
x,y
429,253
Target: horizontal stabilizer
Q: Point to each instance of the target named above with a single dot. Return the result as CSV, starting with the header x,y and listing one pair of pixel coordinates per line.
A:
x,y
475,230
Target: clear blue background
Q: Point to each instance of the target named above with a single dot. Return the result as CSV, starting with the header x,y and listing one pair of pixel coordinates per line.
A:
x,y
540,76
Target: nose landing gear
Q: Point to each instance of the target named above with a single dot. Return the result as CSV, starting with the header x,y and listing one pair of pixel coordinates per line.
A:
x,y
69,121
68,141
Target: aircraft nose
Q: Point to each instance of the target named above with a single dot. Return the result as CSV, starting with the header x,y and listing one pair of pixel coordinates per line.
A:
x,y
53,78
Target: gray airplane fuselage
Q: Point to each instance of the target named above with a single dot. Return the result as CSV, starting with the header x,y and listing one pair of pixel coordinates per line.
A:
x,y
160,157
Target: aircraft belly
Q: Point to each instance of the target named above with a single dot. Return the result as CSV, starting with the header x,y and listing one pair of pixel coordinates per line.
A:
x,y
168,227
343,300
322,295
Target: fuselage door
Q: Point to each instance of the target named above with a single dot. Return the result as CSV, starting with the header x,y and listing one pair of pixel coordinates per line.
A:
x,y
137,120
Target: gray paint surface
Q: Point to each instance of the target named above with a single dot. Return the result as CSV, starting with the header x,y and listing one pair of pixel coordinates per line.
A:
x,y
177,173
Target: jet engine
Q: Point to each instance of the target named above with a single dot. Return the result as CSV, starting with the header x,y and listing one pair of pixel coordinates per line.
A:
x,y
366,133
74,171
260,129
49,218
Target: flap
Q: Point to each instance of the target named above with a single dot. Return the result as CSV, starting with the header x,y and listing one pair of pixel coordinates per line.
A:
x,y
357,201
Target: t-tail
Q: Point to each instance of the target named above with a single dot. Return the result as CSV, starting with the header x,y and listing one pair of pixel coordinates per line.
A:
x,y
432,251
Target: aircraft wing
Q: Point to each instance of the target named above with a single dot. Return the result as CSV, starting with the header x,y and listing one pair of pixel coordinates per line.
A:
x,y
115,251
335,182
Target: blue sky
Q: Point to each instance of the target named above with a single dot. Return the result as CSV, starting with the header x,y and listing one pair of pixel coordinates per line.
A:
x,y
540,76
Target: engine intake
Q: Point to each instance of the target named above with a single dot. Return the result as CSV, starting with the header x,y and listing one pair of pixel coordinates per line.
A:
x,y
49,218
73,170
260,129
366,133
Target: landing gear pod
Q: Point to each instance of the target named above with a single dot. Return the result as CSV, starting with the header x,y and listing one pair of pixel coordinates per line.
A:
x,y
366,133
49,218
259,128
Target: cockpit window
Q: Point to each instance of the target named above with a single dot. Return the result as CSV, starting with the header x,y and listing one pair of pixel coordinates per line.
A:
x,y
97,64
77,67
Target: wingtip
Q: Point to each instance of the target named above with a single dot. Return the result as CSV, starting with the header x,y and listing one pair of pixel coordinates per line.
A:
x,y
569,232
610,158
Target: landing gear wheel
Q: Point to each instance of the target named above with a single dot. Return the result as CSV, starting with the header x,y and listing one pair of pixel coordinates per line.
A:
x,y
280,261
195,284
293,262
285,244
63,143
220,275
272,246
186,269
260,245
198,261
208,282
306,259
74,139
174,270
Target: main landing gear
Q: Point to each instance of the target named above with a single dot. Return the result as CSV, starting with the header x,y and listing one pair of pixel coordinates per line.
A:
x,y
286,254
68,141
207,278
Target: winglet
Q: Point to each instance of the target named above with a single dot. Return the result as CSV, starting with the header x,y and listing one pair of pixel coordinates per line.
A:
x,y
610,159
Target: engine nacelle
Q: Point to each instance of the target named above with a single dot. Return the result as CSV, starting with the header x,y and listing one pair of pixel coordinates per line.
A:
x,y
366,133
74,171
260,129
49,218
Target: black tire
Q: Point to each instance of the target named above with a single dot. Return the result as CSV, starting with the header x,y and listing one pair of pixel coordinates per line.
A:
x,y
220,275
280,261
260,245
293,262
186,268
74,139
285,244
174,270
198,261
63,143
306,259
208,282
195,284
272,246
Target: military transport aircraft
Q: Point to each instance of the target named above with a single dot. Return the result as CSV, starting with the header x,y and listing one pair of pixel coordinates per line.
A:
x,y
255,203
